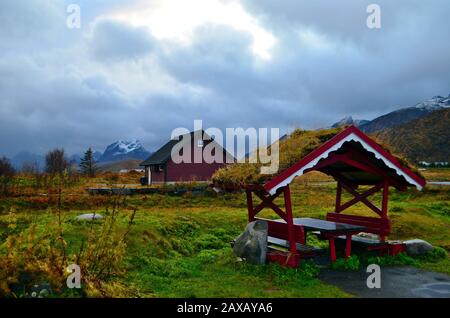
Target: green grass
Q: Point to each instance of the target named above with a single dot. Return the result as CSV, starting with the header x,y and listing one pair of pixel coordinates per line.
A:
x,y
180,245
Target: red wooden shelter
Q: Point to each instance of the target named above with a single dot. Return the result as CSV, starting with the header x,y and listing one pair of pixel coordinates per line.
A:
x,y
352,159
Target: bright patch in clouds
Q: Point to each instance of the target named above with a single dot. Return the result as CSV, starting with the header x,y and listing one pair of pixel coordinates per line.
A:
x,y
313,40
177,20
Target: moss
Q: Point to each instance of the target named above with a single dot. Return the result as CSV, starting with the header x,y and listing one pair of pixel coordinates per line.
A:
x,y
291,150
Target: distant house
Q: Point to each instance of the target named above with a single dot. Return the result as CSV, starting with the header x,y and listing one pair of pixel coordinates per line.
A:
x,y
161,168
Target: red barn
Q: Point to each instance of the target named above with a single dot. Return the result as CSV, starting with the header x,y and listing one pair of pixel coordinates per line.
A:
x,y
161,168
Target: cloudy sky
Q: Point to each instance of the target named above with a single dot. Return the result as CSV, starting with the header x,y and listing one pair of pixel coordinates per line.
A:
x,y
139,69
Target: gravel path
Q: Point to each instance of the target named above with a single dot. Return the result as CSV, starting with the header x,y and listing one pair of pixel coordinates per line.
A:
x,y
396,282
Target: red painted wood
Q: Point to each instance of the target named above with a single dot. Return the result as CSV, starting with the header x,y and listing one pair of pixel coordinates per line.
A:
x,y
266,201
251,217
361,197
289,220
348,246
338,197
329,144
376,169
332,247
332,158
280,230
388,156
395,249
284,259
187,172
384,204
373,225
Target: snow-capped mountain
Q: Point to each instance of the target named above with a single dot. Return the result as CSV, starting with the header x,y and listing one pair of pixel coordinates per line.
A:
x,y
404,115
121,150
435,103
348,120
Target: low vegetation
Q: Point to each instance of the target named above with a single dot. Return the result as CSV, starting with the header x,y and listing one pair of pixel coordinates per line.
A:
x,y
160,245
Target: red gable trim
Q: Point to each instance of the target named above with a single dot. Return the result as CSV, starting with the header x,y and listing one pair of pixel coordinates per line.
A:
x,y
277,180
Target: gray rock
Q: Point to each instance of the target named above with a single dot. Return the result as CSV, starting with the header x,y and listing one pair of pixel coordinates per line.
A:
x,y
251,245
89,216
40,291
417,247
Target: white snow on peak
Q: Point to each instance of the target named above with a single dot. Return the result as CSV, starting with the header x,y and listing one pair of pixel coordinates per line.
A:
x,y
434,103
123,147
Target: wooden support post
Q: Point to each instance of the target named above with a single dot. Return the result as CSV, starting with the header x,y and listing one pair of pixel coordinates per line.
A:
x,y
332,249
348,246
338,197
289,220
251,216
361,197
384,204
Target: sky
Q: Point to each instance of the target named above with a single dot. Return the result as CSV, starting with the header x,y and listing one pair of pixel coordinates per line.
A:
x,y
139,69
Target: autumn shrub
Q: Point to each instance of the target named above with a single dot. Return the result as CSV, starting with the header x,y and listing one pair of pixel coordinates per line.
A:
x,y
40,253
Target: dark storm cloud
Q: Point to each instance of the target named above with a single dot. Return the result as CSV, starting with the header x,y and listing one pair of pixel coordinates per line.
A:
x,y
365,71
243,93
111,80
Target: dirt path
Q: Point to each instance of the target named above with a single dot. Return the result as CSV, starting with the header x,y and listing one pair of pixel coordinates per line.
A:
x,y
396,282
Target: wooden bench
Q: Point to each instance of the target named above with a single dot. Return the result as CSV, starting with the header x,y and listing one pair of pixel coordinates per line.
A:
x,y
378,226
279,229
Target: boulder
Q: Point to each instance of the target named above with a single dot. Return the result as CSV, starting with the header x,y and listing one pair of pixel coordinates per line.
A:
x,y
40,291
251,245
89,216
417,247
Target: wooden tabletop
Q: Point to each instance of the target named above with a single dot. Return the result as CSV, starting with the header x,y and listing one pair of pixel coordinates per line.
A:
x,y
310,224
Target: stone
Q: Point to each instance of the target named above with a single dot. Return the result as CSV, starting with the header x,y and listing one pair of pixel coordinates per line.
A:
x,y
417,247
89,216
251,245
40,291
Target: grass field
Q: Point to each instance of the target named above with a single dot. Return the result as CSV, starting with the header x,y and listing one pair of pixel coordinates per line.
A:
x,y
179,246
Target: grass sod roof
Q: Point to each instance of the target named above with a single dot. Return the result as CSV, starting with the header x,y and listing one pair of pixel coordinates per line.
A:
x,y
291,150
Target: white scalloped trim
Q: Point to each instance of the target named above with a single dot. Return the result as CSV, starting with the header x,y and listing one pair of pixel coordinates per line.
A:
x,y
351,137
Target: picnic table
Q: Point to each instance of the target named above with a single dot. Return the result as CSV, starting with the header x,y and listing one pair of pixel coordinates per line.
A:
x,y
329,230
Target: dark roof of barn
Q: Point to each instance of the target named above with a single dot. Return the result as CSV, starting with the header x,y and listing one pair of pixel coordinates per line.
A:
x,y
162,155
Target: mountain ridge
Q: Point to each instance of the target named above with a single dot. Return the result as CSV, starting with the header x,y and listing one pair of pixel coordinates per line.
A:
x,y
406,114
122,150
424,139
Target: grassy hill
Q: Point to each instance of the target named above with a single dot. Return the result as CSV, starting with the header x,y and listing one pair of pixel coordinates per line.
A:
x,y
426,138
